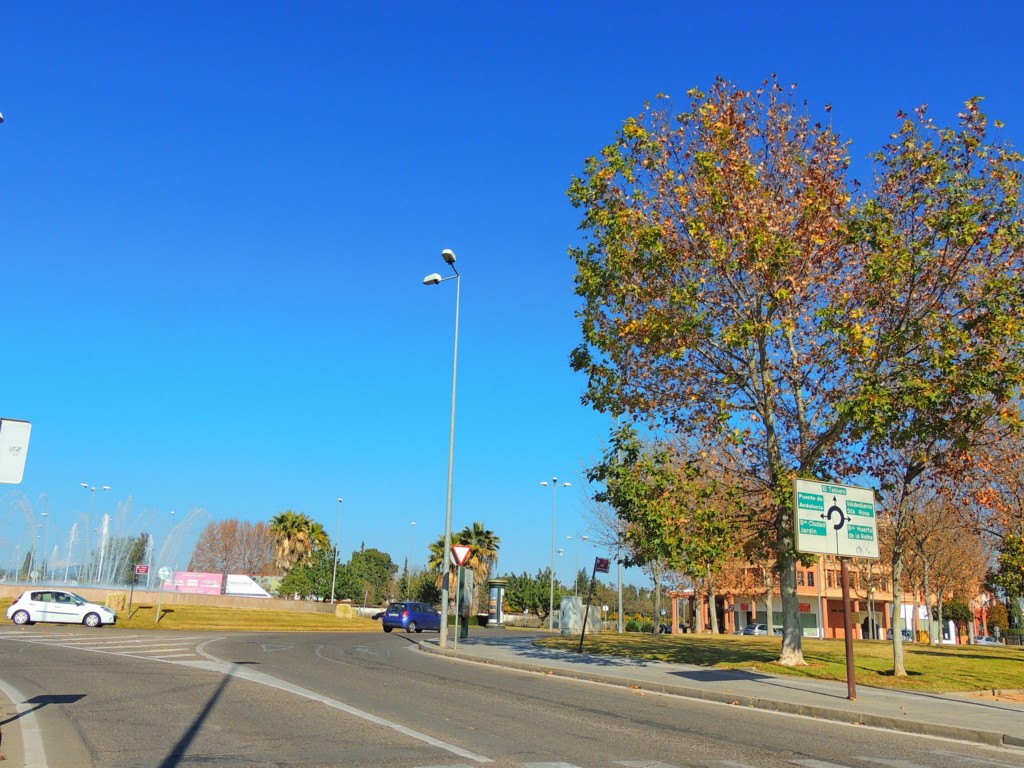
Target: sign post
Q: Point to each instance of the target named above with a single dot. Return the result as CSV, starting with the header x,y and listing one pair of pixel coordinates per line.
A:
x,y
140,570
164,574
461,554
601,565
839,520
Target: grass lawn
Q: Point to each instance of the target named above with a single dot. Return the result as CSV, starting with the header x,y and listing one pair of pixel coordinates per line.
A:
x,y
199,617
944,668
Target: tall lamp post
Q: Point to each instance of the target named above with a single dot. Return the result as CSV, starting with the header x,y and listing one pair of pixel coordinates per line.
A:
x,y
554,516
576,573
435,279
337,542
88,520
408,562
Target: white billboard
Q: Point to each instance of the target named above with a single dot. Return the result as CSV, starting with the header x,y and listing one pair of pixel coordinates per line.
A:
x,y
14,435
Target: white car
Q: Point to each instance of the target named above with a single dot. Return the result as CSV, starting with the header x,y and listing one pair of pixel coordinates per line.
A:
x,y
987,640
58,605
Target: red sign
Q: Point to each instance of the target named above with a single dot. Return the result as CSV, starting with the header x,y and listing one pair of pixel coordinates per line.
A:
x,y
805,607
602,564
141,570
461,552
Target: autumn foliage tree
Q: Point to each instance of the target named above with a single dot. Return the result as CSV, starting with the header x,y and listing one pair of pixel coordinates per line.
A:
x,y
234,546
737,295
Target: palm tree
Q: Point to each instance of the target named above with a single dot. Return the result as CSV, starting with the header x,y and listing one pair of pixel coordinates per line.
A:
x,y
484,549
294,538
483,554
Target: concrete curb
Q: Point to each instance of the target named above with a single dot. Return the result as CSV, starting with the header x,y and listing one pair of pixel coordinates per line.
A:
x,y
990,738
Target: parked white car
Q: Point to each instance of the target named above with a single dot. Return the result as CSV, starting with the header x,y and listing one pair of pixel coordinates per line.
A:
x,y
60,606
987,640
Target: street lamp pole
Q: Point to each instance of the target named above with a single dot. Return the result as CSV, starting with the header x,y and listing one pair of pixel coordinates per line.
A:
x,y
337,542
408,561
88,520
554,516
435,279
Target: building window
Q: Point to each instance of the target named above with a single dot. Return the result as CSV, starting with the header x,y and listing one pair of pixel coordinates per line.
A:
x,y
799,578
810,578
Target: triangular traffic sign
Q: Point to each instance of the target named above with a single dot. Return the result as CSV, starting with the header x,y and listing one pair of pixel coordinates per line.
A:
x,y
461,552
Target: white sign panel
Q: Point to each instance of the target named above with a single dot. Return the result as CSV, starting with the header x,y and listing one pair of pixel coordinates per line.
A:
x,y
14,436
833,519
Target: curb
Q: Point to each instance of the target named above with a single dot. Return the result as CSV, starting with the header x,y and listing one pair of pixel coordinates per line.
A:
x,y
989,738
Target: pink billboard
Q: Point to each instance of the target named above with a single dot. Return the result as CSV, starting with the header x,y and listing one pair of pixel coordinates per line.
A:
x,y
191,583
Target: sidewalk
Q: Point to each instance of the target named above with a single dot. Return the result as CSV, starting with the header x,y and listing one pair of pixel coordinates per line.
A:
x,y
989,719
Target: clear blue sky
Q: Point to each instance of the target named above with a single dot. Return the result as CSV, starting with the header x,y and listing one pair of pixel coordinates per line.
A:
x,y
215,219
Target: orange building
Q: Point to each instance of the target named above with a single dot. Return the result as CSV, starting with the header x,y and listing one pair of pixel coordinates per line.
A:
x,y
820,597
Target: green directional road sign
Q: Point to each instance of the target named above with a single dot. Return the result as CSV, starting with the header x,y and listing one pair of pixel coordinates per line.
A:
x,y
834,519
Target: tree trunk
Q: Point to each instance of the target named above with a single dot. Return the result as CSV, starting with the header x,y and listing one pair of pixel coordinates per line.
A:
x,y
792,654
712,606
898,668
928,609
656,573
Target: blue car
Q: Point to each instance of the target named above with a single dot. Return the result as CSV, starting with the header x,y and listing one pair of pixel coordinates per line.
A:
x,y
412,617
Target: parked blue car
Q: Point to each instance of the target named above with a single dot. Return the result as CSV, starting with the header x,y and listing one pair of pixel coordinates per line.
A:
x,y
412,617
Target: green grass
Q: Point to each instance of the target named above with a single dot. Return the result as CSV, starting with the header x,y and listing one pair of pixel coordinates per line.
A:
x,y
199,617
945,668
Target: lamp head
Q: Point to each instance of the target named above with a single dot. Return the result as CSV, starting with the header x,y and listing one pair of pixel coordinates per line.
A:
x,y
340,500
448,255
432,279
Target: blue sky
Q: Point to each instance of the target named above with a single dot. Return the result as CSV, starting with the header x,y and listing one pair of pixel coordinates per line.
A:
x,y
215,219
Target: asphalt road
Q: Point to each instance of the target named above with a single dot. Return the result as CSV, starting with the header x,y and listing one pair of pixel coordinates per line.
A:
x,y
118,698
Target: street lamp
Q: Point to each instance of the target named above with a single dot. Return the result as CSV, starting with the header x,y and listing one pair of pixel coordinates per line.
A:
x,y
88,520
337,541
435,279
576,573
46,542
408,561
32,554
554,516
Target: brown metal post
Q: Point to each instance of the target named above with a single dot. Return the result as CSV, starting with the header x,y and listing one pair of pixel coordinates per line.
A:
x,y
851,682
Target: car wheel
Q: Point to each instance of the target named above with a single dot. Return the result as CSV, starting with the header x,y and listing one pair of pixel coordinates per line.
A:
x,y
387,629
91,620
411,627
21,617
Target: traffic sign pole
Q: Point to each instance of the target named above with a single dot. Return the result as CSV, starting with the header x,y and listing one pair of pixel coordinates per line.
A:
x,y
851,680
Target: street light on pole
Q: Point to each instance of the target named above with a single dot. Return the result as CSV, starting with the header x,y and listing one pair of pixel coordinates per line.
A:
x,y
88,520
337,542
576,573
46,543
435,279
408,561
554,516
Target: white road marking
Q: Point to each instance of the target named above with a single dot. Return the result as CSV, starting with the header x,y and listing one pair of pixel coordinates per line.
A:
x,y
31,735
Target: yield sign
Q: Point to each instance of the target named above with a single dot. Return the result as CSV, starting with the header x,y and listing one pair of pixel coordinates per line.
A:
x,y
461,553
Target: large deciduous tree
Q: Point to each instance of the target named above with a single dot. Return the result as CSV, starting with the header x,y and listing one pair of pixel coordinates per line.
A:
x,y
234,546
736,294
